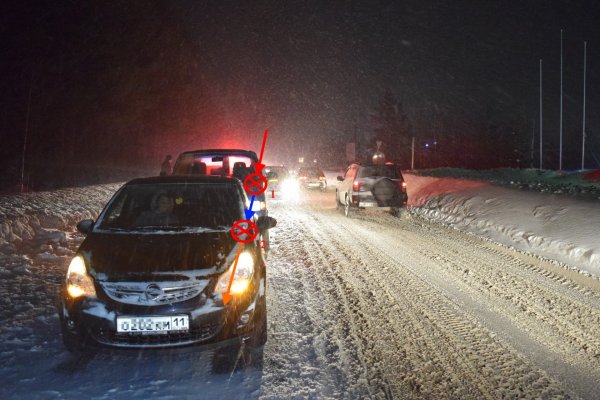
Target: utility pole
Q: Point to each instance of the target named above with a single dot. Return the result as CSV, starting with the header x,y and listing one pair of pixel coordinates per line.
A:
x,y
532,141
355,143
26,132
583,129
561,104
541,153
412,157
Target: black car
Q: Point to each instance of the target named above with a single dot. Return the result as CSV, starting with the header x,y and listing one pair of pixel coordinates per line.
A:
x,y
371,186
155,269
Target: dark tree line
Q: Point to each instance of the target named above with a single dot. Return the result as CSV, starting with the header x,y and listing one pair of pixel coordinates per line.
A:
x,y
446,140
119,78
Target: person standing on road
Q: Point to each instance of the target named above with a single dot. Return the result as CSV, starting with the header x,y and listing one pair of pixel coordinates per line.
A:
x,y
166,168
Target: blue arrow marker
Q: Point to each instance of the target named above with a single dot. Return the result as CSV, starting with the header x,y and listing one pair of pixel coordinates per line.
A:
x,y
249,213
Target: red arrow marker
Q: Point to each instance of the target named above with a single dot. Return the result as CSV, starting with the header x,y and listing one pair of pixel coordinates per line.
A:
x,y
259,167
226,295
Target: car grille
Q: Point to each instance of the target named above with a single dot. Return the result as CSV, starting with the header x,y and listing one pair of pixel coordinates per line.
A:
x,y
158,293
194,335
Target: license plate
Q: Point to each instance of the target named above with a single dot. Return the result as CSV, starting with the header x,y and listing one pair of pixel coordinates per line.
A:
x,y
153,324
367,204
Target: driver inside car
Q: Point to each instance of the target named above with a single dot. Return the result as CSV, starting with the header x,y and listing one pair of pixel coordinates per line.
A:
x,y
161,213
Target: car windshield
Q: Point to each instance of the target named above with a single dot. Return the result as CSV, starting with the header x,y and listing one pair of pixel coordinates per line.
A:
x,y
223,165
388,171
173,207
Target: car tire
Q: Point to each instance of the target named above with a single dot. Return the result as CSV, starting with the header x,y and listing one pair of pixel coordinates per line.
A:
x,y
260,334
73,343
251,352
347,208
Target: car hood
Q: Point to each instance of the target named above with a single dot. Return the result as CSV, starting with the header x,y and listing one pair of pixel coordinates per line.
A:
x,y
125,254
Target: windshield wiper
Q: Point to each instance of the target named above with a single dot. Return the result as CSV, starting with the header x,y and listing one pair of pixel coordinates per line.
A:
x,y
159,228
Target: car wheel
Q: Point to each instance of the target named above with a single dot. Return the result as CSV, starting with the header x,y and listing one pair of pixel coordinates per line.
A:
x,y
395,211
259,336
347,207
73,343
227,360
338,205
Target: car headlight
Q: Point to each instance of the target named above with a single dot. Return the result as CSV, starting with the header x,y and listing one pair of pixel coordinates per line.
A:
x,y
290,189
242,277
79,283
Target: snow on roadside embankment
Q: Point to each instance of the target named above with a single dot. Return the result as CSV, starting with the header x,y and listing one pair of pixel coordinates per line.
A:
x,y
576,183
557,227
39,219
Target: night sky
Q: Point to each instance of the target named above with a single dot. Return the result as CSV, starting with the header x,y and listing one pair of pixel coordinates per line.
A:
x,y
120,84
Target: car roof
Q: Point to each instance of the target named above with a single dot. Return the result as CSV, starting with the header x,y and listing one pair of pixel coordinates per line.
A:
x,y
183,179
221,152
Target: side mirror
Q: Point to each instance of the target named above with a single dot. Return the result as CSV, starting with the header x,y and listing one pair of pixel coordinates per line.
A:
x,y
340,178
263,223
85,226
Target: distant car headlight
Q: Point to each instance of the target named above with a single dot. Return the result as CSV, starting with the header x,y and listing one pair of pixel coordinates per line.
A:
x,y
290,189
242,277
79,283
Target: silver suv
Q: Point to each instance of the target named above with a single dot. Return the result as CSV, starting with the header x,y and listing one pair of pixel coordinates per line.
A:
x,y
369,186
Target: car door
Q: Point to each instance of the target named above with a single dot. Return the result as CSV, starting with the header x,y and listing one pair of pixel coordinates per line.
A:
x,y
345,186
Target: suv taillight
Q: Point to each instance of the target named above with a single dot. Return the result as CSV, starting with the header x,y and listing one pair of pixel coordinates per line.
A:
x,y
403,186
356,185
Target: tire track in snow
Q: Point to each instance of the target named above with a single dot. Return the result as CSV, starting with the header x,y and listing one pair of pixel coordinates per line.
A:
x,y
328,225
558,311
305,356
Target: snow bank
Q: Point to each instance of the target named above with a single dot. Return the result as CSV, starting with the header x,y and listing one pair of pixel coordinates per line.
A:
x,y
558,227
42,217
577,183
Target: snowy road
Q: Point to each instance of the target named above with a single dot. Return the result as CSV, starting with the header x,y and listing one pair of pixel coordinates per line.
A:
x,y
368,307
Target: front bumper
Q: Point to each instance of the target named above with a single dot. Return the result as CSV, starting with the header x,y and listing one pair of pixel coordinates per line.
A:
x,y
94,321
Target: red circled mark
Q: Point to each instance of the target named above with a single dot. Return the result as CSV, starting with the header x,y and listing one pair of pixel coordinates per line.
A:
x,y
238,230
255,184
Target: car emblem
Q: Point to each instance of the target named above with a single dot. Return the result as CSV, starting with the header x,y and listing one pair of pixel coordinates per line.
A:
x,y
153,291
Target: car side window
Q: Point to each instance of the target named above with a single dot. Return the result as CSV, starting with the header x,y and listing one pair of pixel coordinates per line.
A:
x,y
348,172
351,174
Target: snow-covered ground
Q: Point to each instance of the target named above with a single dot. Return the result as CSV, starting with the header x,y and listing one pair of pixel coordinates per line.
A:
x,y
549,214
556,226
368,307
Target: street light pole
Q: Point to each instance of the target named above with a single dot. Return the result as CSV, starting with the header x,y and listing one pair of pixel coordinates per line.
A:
x,y
560,144
583,129
541,154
